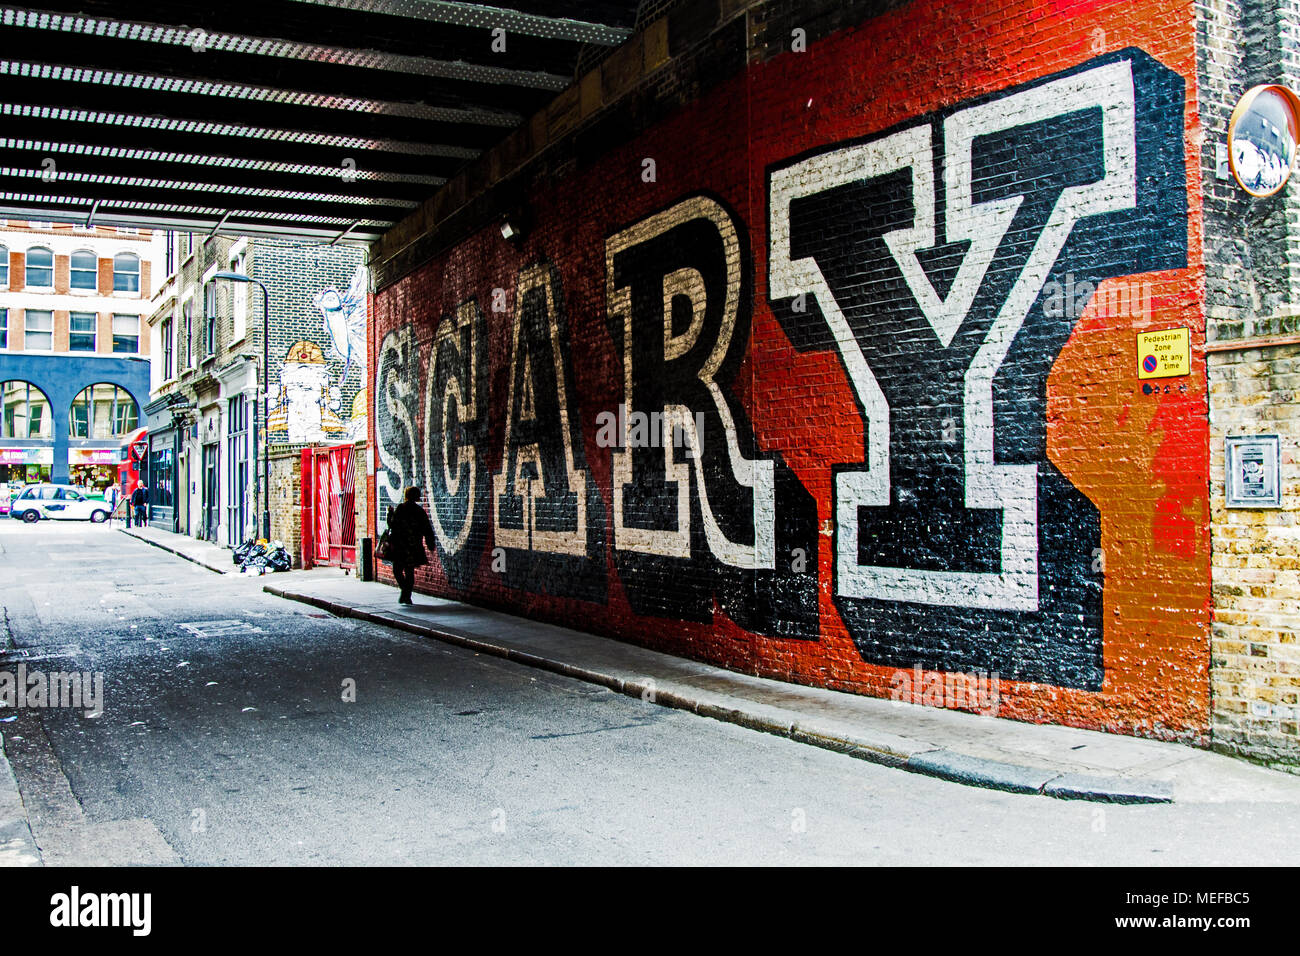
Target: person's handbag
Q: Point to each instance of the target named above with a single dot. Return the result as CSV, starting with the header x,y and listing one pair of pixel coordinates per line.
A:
x,y
384,548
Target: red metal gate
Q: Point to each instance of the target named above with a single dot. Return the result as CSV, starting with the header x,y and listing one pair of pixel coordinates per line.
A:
x,y
329,507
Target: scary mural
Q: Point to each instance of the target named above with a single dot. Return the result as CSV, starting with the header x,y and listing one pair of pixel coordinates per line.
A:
x,y
825,414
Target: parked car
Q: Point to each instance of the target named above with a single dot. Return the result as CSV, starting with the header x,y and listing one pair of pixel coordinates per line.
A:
x,y
59,502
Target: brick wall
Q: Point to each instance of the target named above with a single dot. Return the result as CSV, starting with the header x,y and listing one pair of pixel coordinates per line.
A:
x,y
1256,565
884,266
307,370
1253,318
361,488
286,501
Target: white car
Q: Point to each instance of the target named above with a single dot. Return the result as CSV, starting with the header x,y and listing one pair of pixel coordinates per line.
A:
x,y
63,502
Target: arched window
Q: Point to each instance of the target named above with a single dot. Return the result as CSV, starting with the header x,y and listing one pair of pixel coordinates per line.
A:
x,y
40,268
126,272
85,270
103,411
4,266
26,411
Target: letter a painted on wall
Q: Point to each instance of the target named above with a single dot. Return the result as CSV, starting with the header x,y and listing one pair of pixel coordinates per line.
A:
x,y
544,503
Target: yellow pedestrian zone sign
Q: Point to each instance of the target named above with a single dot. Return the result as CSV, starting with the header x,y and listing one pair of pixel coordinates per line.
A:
x,y
1164,354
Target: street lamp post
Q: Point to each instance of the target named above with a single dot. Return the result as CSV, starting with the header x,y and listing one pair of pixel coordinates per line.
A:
x,y
266,392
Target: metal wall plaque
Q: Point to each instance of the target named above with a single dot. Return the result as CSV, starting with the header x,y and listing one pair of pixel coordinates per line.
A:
x,y
1253,471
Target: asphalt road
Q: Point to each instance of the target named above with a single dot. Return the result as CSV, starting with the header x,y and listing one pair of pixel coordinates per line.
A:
x,y
227,737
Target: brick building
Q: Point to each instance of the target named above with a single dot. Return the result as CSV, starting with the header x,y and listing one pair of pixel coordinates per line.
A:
x,y
206,434
1252,314
892,270
74,351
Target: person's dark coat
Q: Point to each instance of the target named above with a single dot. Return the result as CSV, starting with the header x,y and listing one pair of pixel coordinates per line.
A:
x,y
138,496
409,529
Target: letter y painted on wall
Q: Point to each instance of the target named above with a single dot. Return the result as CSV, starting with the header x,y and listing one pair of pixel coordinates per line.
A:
x,y
925,252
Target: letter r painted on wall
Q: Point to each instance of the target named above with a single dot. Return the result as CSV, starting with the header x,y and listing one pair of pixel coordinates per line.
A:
x,y
923,253
710,513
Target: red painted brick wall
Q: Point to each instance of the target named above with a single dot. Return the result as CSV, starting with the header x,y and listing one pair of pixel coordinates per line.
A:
x,y
1086,591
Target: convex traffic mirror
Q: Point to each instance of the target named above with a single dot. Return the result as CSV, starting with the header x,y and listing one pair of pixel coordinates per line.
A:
x,y
1262,137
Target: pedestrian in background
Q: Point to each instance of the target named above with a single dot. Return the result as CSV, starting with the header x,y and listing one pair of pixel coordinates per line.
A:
x,y
139,497
409,528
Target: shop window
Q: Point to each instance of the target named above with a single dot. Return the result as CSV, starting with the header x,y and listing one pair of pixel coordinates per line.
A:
x,y
162,471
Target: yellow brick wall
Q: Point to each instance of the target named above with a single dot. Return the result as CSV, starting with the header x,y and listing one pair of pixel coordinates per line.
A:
x,y
1255,666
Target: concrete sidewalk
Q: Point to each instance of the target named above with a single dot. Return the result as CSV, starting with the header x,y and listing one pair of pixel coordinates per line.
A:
x,y
214,557
17,848
981,751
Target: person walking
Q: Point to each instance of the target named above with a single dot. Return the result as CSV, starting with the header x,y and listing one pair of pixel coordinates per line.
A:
x,y
409,529
139,497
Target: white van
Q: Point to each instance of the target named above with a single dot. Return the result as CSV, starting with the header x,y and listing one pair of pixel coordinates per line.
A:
x,y
59,502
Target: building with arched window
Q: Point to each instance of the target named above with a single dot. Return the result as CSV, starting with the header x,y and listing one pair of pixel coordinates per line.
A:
x,y
214,447
74,349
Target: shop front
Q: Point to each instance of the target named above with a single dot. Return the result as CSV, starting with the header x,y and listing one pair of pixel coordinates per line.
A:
x,y
23,465
94,468
159,476
158,455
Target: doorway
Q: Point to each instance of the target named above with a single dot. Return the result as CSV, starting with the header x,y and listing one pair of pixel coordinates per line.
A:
x,y
211,502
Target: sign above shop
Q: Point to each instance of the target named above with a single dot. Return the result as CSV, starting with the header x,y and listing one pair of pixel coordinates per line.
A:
x,y
26,456
93,456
